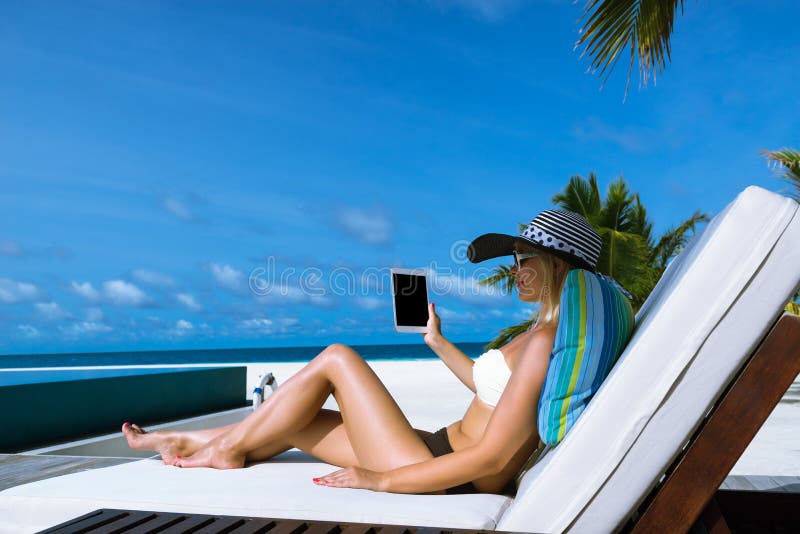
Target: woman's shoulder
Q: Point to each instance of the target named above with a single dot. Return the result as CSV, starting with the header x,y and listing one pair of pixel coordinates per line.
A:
x,y
541,330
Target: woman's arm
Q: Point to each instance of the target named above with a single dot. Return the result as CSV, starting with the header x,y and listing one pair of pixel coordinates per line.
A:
x,y
511,425
457,361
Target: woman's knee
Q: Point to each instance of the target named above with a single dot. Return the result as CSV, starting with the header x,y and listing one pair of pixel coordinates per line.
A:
x,y
342,354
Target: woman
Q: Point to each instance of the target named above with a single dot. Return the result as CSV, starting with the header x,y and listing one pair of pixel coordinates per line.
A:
x,y
370,437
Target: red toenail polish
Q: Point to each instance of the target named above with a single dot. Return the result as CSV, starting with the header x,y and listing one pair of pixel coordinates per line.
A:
x,y
178,457
315,479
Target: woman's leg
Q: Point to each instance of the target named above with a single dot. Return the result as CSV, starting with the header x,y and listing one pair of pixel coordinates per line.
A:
x,y
171,443
380,435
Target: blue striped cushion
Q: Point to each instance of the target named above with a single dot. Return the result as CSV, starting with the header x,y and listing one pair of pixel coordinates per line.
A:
x,y
594,325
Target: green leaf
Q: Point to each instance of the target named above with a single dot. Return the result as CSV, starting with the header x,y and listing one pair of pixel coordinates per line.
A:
x,y
786,162
643,26
501,278
510,332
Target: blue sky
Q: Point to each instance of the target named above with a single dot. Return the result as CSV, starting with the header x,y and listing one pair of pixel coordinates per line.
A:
x,y
154,156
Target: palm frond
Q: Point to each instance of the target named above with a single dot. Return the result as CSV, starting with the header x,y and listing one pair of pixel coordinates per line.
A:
x,y
616,211
624,257
501,277
639,224
787,159
510,332
581,196
674,240
643,26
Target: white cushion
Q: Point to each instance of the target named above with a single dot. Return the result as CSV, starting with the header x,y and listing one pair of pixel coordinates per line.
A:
x,y
270,489
708,311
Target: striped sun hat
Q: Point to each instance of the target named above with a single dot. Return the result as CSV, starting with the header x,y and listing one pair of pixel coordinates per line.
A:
x,y
562,233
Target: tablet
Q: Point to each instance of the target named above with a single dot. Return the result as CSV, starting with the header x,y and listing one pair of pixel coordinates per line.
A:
x,y
410,300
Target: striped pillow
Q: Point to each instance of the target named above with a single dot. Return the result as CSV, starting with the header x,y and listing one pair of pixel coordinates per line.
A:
x,y
594,325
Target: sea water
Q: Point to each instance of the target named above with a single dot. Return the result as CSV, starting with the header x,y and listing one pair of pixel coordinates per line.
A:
x,y
273,354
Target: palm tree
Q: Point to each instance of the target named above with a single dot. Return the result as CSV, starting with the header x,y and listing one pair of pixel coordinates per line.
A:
x,y
643,25
788,161
629,253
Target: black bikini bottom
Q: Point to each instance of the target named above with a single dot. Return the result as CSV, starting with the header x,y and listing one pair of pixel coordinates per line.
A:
x,y
439,444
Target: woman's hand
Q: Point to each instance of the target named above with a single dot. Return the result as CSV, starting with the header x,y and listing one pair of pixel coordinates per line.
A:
x,y
353,477
434,326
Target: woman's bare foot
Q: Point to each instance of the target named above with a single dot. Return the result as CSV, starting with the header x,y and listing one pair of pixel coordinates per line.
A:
x,y
170,445
213,454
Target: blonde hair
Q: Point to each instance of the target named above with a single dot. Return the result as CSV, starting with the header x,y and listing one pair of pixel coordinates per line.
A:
x,y
555,273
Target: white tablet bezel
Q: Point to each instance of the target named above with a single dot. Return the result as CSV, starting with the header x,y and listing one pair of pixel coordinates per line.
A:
x,y
415,272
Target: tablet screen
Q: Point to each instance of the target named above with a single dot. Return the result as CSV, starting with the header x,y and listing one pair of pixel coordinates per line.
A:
x,y
410,299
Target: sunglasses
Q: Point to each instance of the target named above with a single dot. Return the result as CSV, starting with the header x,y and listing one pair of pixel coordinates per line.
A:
x,y
518,257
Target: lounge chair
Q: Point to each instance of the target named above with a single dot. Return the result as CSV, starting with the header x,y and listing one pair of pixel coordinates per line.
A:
x,y
710,357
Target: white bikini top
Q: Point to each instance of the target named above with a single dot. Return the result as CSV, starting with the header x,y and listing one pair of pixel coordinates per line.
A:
x,y
490,373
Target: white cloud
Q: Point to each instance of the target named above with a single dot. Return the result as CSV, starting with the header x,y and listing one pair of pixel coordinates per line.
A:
x,y
124,293
29,331
463,288
50,311
227,276
10,248
182,328
12,291
371,227
153,278
85,328
85,290
257,324
286,294
177,208
262,325
524,314
370,303
188,301
94,314
451,316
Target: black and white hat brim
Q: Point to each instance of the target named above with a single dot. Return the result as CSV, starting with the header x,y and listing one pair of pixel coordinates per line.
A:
x,y
488,246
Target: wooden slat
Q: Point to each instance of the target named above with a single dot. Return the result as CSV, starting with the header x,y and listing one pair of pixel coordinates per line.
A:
x,y
133,519
67,524
727,432
221,526
90,522
713,520
256,526
322,527
288,526
190,524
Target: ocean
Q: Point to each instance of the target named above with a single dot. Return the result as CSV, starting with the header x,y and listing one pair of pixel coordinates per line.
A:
x,y
273,354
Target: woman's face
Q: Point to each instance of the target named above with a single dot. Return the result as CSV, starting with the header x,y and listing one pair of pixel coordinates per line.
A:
x,y
530,275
